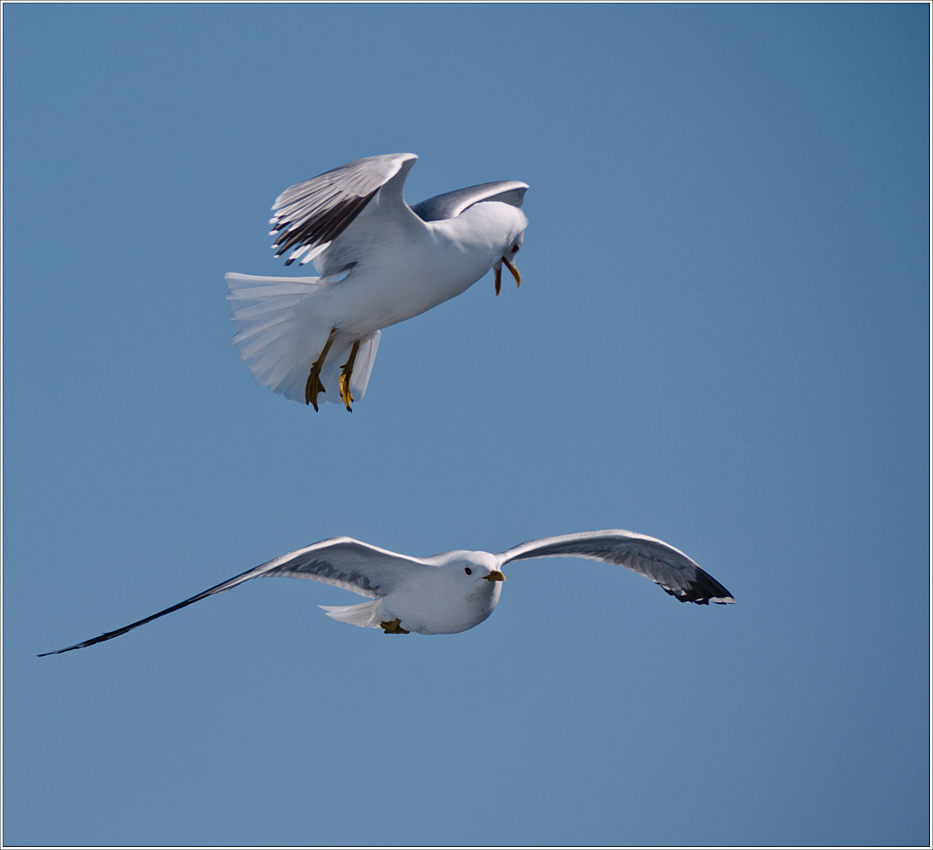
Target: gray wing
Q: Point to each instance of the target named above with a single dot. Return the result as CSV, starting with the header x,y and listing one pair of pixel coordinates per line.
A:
x,y
339,561
311,215
451,204
663,564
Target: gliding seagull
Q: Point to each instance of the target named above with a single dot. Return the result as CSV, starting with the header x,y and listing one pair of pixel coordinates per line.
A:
x,y
381,262
454,591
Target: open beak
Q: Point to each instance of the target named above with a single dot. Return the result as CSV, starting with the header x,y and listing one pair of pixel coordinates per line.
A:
x,y
495,575
511,267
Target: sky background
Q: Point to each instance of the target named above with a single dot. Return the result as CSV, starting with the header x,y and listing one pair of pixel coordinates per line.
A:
x,y
721,340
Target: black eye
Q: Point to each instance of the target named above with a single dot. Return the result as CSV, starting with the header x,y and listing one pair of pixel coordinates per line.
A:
x,y
515,249
468,571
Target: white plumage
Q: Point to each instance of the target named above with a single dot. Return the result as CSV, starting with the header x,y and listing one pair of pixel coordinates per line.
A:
x,y
454,591
380,262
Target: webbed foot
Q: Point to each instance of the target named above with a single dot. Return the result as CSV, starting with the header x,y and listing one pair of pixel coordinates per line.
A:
x,y
394,627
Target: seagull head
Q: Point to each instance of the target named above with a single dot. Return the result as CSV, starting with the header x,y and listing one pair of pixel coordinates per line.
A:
x,y
480,580
512,247
509,264
477,573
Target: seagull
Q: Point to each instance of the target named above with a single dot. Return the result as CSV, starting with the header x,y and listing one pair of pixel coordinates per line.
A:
x,y
380,262
454,591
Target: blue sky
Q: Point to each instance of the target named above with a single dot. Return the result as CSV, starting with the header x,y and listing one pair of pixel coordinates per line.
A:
x,y
721,340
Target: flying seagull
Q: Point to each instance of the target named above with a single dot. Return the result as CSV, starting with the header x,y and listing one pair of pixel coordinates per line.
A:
x,y
454,591
380,262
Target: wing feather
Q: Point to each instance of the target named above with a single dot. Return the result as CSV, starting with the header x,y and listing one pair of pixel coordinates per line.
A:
x,y
312,214
680,576
339,561
451,204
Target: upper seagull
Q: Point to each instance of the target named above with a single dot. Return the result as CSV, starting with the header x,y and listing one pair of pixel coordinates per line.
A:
x,y
380,262
454,591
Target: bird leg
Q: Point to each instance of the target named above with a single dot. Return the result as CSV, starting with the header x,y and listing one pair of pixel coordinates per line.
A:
x,y
345,376
314,385
394,627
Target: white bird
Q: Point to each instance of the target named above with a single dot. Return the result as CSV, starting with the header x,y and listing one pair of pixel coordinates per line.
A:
x,y
381,262
454,591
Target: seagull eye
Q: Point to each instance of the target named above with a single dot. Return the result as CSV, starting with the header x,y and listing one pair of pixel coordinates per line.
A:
x,y
515,249
468,571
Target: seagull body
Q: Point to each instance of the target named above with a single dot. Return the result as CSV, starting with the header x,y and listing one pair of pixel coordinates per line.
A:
x,y
380,262
454,591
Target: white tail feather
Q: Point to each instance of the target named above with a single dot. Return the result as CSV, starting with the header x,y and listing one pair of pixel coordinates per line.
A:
x,y
280,334
367,615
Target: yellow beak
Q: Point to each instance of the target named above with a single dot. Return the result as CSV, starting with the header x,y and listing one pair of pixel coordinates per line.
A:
x,y
511,267
495,575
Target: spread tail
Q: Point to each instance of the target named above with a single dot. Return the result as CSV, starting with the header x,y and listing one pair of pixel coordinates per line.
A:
x,y
280,334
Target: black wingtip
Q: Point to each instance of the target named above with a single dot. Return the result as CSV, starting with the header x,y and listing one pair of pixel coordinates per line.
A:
x,y
58,651
703,590
91,642
712,590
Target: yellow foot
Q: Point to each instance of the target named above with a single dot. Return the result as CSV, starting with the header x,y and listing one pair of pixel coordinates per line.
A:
x,y
345,376
394,627
313,386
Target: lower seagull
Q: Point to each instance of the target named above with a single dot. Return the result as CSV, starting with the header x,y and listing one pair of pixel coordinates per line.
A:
x,y
454,591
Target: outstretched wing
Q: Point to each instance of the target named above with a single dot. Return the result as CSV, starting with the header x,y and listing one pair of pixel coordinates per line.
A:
x,y
451,204
311,215
339,561
663,564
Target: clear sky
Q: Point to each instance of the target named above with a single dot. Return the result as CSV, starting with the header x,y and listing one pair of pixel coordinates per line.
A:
x,y
721,340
